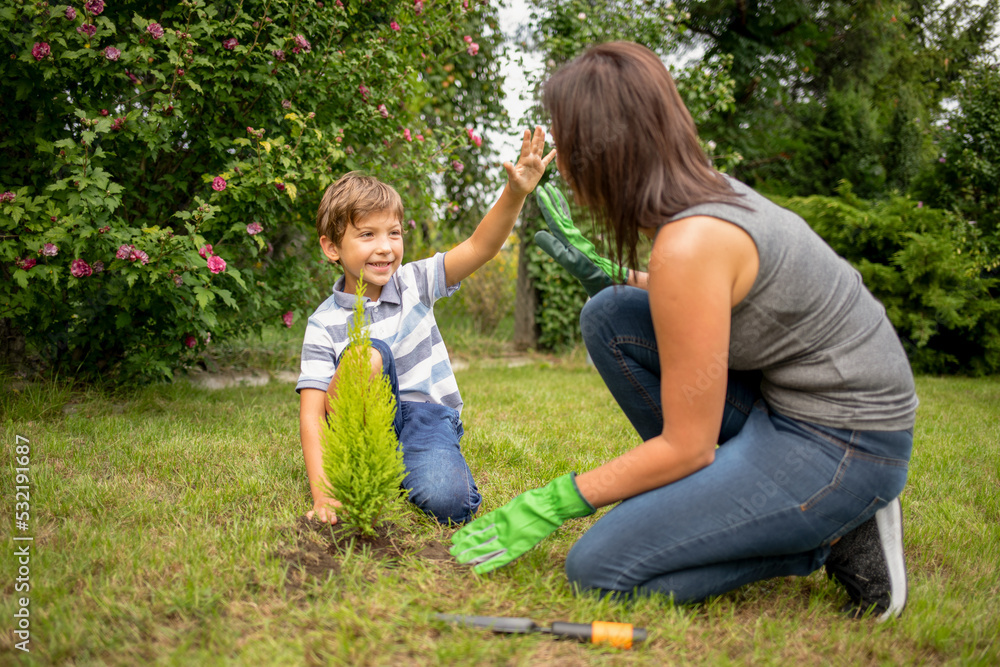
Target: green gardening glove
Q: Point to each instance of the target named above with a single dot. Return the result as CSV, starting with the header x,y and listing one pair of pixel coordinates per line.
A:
x,y
571,249
497,538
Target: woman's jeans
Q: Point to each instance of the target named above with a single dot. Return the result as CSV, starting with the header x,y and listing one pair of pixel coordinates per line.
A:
x,y
778,493
437,477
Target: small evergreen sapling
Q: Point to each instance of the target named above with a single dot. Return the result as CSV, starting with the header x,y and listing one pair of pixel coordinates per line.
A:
x,y
361,456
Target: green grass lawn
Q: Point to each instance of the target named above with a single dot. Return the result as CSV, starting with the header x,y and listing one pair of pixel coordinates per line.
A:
x,y
165,531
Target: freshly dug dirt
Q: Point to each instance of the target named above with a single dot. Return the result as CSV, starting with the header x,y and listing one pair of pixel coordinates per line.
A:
x,y
316,547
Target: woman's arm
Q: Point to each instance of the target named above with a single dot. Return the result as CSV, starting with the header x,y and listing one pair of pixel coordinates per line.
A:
x,y
699,269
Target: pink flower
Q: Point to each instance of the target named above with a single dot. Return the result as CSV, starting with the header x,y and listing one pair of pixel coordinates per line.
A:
x,y
420,137
382,110
40,50
418,7
88,29
138,256
8,197
413,224
406,135
80,269
218,184
942,160
178,281
111,53
98,267
118,124
279,55
280,186
286,104
473,49
95,7
469,131
477,140
216,264
302,43
70,14
364,92
920,204
124,251
25,263
457,166
104,112
50,250
155,30
190,341
254,228
395,26
230,44
104,229
205,251
180,72
287,319
468,39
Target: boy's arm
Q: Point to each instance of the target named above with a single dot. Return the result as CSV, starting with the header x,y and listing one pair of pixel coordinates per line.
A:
x,y
312,412
484,244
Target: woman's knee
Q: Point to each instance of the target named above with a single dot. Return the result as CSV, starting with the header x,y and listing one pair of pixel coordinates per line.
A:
x,y
596,313
584,569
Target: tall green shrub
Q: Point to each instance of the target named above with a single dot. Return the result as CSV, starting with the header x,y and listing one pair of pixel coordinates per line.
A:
x,y
162,162
926,266
965,176
361,456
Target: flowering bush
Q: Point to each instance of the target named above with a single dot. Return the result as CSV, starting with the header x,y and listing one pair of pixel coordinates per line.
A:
x,y
142,210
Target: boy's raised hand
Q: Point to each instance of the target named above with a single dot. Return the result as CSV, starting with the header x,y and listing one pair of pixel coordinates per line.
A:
x,y
524,176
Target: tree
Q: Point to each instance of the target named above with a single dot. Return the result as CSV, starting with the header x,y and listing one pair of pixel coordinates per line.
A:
x,y
965,177
163,162
872,74
361,455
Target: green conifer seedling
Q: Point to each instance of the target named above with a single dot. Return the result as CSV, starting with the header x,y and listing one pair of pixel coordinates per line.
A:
x,y
361,455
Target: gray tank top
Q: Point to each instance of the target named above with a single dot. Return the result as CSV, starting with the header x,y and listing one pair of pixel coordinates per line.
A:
x,y
824,344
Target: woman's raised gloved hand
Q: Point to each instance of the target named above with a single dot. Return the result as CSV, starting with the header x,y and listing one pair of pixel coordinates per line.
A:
x,y
571,249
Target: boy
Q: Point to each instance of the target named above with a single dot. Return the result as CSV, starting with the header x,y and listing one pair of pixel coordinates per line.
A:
x,y
360,226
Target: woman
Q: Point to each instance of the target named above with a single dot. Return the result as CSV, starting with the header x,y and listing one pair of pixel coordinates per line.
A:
x,y
774,399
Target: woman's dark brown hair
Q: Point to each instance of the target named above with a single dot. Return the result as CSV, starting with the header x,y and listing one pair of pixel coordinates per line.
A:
x,y
627,144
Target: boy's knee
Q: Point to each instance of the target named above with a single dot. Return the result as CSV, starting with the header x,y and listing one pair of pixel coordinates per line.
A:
x,y
454,502
375,357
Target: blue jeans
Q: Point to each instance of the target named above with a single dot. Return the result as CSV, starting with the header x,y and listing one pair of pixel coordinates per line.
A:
x,y
778,493
438,478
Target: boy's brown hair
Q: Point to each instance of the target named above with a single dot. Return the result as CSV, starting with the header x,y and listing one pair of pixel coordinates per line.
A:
x,y
351,198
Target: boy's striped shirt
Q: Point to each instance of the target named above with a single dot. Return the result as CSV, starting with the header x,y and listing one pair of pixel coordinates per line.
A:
x,y
403,318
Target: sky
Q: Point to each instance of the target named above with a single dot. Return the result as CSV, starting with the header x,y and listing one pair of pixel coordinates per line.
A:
x,y
513,15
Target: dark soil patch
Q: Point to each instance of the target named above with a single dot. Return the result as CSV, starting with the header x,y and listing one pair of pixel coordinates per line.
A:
x,y
316,547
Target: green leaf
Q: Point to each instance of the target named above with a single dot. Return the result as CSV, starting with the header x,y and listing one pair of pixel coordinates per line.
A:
x,y
227,298
235,274
203,296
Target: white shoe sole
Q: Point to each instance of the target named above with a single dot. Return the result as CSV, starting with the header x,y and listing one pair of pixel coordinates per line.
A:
x,y
889,520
